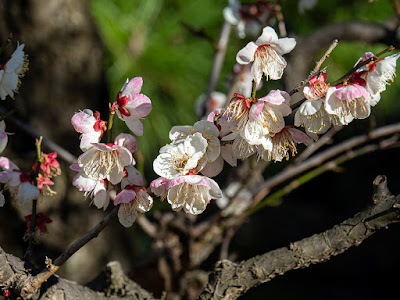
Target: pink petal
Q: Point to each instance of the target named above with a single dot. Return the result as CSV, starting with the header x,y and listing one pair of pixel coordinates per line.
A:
x,y
132,88
140,106
126,140
83,121
299,136
134,125
255,110
125,196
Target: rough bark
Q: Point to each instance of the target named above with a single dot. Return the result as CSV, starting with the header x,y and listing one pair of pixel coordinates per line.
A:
x,y
14,273
231,280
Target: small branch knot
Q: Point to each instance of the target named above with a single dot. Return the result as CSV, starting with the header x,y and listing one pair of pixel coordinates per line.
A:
x,y
381,191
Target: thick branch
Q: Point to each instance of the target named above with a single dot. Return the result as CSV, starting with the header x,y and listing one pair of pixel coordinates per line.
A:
x,y
231,280
14,274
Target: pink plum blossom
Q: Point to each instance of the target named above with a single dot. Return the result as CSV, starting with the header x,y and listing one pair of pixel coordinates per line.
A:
x,y
266,54
132,106
105,161
348,102
282,143
12,71
91,127
18,183
159,187
311,113
192,193
133,201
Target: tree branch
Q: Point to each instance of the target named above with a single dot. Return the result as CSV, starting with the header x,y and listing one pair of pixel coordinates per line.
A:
x,y
14,273
231,280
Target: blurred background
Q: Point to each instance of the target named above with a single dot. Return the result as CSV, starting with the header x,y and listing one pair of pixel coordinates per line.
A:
x,y
81,53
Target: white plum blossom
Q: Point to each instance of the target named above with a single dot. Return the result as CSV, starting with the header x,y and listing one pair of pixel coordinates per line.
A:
x,y
12,71
257,120
3,136
348,102
266,54
131,106
192,193
311,113
266,116
133,201
379,75
18,183
207,129
181,157
91,127
105,161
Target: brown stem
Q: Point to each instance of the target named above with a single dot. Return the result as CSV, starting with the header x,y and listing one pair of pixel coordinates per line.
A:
x,y
37,280
230,280
262,190
218,62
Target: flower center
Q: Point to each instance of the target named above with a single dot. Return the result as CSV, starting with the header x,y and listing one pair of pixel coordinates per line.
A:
x,y
102,164
283,143
180,162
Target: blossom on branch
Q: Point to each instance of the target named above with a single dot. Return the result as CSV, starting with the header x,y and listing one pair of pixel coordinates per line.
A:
x,y
181,157
11,72
266,54
133,200
311,113
348,102
41,222
105,161
376,75
192,193
131,106
18,183
283,143
91,127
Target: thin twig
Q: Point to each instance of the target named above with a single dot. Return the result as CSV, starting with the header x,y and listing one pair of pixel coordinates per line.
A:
x,y
218,62
281,21
396,8
323,140
261,191
330,165
61,152
316,69
37,280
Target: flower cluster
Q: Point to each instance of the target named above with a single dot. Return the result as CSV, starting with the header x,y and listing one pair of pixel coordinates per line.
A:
x,y
327,105
194,149
25,187
107,167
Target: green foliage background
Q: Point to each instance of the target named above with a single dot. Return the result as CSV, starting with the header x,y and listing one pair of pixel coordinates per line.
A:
x,y
148,38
